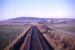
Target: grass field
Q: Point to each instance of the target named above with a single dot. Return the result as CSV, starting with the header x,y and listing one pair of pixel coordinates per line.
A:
x,y
9,33
68,41
66,27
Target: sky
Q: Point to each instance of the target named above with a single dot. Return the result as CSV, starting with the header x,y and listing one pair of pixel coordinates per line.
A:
x,y
37,8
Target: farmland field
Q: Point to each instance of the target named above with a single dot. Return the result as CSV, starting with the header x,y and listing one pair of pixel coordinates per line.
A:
x,y
62,39
9,32
65,27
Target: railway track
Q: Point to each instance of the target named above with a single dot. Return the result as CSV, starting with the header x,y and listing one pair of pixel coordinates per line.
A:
x,y
33,40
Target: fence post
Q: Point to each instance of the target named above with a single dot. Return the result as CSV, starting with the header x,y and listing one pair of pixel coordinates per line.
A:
x,y
61,38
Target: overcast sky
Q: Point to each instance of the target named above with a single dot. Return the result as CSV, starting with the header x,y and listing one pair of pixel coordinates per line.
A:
x,y
37,8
